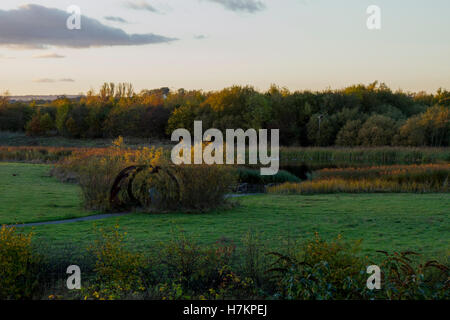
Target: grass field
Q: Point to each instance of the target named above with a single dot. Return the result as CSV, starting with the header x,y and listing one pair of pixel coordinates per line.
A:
x,y
29,194
419,222
385,222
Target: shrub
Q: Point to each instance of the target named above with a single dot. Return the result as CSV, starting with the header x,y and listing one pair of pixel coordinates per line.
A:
x,y
319,270
18,265
202,272
96,170
403,278
252,176
254,261
185,187
118,271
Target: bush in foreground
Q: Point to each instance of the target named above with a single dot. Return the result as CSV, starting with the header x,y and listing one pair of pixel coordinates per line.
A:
x,y
18,265
181,268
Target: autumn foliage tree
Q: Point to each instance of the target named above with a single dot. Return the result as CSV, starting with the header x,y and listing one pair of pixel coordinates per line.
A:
x,y
369,115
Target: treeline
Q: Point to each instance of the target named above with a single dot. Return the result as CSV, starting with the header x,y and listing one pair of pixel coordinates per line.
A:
x,y
359,115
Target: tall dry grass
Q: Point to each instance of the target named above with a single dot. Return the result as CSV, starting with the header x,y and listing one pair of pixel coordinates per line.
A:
x,y
317,158
36,154
412,178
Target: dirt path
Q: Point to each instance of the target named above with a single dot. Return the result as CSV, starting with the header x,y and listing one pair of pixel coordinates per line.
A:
x,y
88,218
94,217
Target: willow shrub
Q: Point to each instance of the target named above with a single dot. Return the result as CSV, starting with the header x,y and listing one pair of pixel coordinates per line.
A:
x,y
185,187
95,170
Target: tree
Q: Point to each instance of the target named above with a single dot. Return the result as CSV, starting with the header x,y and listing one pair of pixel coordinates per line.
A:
x,y
40,125
348,135
412,133
436,121
321,130
15,116
378,130
231,107
184,117
154,122
4,99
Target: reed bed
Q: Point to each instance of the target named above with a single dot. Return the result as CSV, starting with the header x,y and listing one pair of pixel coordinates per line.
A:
x,y
354,186
317,158
398,178
37,154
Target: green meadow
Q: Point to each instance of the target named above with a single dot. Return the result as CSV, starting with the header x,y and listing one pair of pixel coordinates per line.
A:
x,y
390,222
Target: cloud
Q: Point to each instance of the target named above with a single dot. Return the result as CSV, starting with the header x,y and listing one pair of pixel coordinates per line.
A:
x,y
35,26
49,56
44,80
141,5
115,19
47,80
241,5
200,36
6,57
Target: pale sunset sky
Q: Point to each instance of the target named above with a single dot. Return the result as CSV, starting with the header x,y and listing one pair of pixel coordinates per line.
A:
x,y
212,44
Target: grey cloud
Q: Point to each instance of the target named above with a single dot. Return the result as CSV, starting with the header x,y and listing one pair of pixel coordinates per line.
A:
x,y
141,5
44,80
200,37
116,19
47,80
241,5
35,26
49,56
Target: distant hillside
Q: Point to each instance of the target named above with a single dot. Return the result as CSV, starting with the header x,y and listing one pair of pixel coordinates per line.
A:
x,y
42,98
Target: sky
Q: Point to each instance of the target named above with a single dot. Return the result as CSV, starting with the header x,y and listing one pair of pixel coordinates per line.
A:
x,y
212,44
